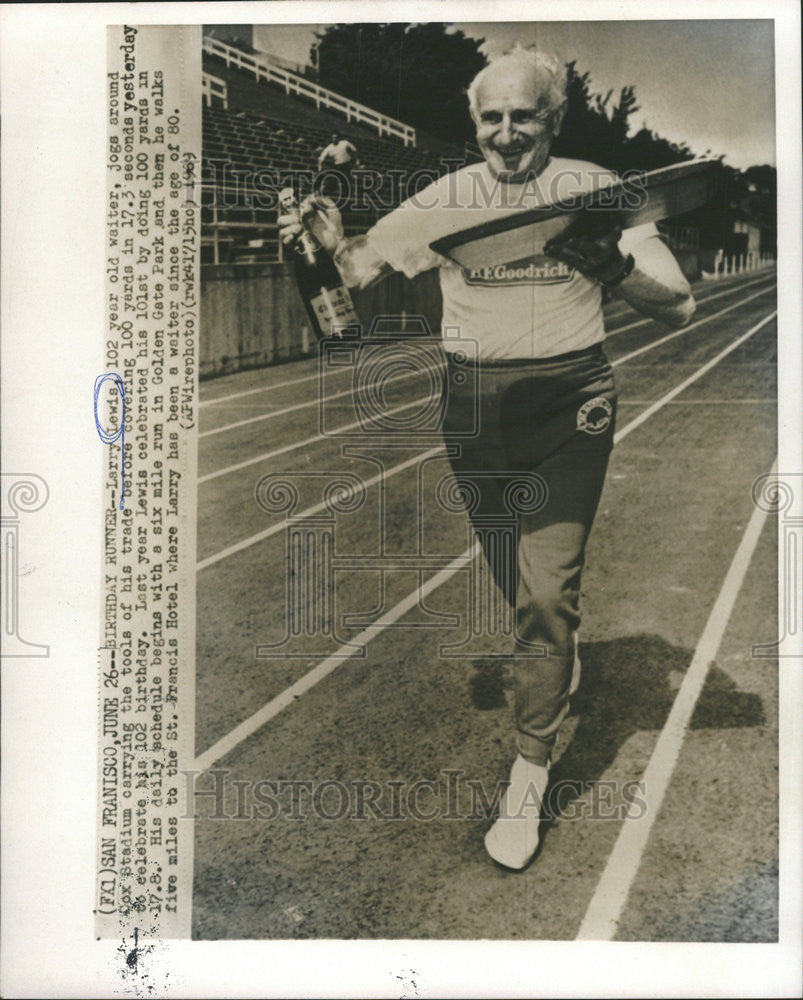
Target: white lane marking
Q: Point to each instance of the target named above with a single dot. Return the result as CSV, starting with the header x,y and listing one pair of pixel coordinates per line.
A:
x,y
605,909
269,388
316,402
331,663
646,414
612,313
265,455
315,509
720,287
686,329
708,298
323,669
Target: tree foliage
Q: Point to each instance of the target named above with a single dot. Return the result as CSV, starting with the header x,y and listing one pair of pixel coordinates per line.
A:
x,y
596,130
419,73
415,72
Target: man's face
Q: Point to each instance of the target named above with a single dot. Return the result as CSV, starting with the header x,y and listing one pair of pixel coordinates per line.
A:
x,y
515,125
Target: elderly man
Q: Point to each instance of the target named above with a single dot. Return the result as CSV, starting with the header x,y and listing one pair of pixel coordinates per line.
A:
x,y
547,400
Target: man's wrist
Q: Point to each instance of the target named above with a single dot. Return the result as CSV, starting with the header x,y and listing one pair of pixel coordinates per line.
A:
x,y
340,249
624,270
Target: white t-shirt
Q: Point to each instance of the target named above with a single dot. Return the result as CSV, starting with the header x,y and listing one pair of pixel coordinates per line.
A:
x,y
531,308
340,152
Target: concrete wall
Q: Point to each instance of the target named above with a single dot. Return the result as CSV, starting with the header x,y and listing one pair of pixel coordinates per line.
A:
x,y
252,315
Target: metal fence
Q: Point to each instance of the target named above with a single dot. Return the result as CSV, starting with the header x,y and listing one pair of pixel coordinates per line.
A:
x,y
737,263
263,69
213,86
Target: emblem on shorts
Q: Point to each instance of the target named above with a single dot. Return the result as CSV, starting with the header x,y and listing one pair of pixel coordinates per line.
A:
x,y
594,415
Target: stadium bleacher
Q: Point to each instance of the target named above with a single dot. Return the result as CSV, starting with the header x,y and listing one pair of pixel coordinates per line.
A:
x,y
266,139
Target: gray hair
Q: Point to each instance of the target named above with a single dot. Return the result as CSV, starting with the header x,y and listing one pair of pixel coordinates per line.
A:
x,y
548,66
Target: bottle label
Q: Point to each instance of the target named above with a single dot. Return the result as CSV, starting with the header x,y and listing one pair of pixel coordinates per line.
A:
x,y
334,310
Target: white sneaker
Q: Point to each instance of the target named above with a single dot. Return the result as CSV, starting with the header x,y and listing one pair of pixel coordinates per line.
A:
x,y
513,839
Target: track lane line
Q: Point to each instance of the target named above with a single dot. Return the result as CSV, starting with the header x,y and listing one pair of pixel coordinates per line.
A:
x,y
327,666
702,402
723,284
735,287
689,328
646,414
604,912
315,509
269,388
316,402
708,298
264,456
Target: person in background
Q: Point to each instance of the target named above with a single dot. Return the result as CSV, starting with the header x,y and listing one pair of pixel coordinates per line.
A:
x,y
335,165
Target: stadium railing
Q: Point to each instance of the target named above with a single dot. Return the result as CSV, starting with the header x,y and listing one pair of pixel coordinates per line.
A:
x,y
260,65
213,86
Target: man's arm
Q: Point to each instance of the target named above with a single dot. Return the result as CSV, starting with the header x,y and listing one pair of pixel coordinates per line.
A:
x,y
356,259
656,287
651,282
359,263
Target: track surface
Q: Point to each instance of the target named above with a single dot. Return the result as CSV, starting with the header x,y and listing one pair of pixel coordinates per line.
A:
x,y
676,506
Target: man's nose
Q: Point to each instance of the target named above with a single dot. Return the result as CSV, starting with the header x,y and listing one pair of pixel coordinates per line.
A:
x,y
506,129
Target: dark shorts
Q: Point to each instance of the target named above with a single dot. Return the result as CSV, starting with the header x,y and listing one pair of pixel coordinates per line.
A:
x,y
530,441
513,414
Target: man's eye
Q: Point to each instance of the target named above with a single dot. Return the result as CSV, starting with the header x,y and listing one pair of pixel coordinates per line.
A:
x,y
524,116
490,117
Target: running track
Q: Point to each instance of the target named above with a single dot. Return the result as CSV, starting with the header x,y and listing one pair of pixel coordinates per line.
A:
x,y
680,582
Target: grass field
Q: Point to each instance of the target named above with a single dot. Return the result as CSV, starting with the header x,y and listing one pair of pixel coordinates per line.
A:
x,y
680,583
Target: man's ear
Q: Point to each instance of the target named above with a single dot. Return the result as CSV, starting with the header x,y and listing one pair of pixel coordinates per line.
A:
x,y
558,118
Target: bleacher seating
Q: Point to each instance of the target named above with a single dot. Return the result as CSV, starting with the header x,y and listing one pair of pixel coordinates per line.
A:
x,y
266,140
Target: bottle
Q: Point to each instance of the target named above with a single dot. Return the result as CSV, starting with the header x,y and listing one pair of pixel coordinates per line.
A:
x,y
325,296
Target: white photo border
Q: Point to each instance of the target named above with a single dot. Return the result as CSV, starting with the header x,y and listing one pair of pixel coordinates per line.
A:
x,y
53,184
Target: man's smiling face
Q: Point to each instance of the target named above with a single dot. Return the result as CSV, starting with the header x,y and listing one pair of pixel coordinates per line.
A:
x,y
515,122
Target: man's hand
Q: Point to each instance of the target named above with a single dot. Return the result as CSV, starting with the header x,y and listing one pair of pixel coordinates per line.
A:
x,y
597,257
321,216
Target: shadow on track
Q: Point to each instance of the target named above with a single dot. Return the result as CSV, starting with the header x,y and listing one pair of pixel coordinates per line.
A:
x,y
628,685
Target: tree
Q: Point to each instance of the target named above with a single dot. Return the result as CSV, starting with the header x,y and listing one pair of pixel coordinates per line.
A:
x,y
415,72
589,132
